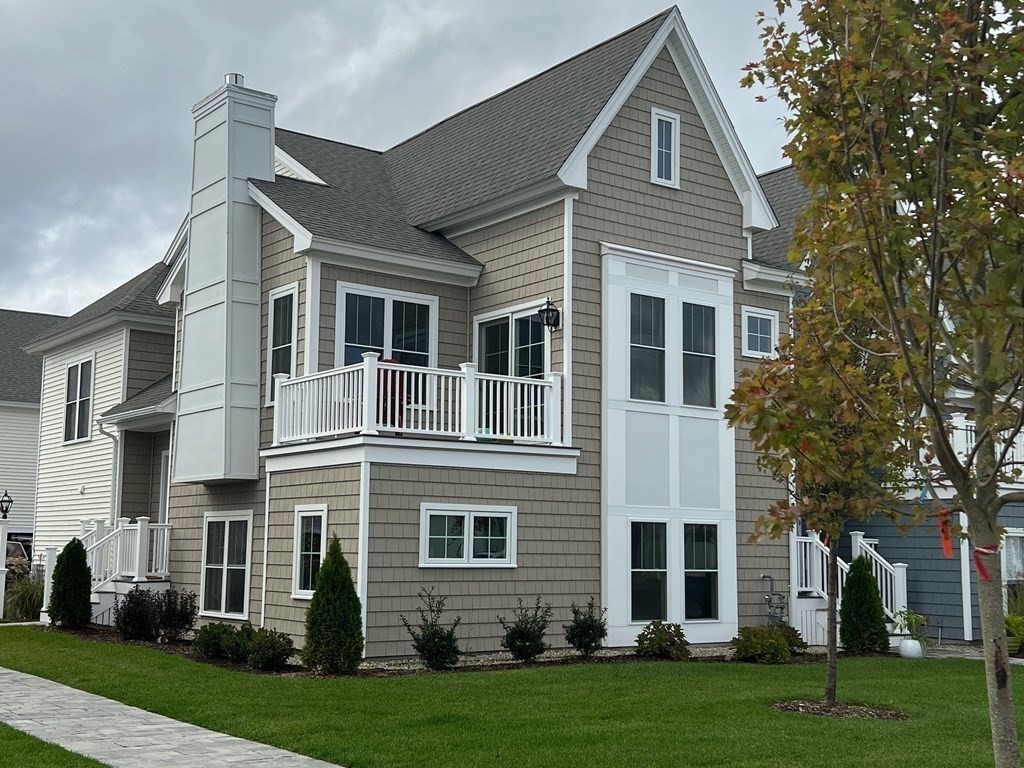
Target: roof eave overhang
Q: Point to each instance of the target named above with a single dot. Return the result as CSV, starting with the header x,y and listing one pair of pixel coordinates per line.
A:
x,y
765,279
151,415
544,192
757,212
97,325
367,257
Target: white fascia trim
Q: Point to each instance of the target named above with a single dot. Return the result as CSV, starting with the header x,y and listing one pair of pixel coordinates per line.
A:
x,y
424,453
757,213
266,549
178,243
772,280
301,236
149,416
530,198
715,271
397,263
301,172
174,283
311,343
567,257
363,566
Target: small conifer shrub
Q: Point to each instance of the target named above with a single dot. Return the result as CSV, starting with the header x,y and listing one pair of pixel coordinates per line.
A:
x,y
862,619
71,593
334,621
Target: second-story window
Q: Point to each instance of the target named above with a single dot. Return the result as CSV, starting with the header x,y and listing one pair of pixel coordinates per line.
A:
x,y
78,401
282,330
664,147
698,355
395,325
646,348
513,345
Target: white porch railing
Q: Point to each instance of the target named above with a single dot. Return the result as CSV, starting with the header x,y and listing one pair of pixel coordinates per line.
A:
x,y
812,571
373,397
137,550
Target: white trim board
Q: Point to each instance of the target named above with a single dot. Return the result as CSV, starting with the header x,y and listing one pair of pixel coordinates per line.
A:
x,y
424,453
757,212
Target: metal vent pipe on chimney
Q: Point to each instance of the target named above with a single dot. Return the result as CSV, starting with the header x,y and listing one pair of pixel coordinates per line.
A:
x,y
233,78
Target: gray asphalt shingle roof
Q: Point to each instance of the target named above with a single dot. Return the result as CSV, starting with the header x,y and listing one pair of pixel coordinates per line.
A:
x,y
358,205
137,296
509,142
154,394
20,372
788,196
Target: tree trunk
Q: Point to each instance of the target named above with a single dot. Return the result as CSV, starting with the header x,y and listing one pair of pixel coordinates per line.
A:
x,y
832,667
1002,716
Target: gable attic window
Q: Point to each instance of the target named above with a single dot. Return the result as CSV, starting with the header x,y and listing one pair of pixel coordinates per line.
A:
x,y
664,148
78,401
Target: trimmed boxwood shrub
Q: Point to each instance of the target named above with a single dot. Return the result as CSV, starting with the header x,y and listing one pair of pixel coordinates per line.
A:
x,y
137,615
269,651
524,637
71,594
761,645
862,619
436,645
793,639
587,630
212,640
663,640
334,621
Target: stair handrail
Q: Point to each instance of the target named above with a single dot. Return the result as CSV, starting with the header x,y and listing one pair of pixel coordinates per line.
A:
x,y
104,553
890,577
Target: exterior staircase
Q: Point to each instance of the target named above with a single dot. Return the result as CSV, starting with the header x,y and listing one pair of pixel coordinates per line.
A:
x,y
809,575
128,554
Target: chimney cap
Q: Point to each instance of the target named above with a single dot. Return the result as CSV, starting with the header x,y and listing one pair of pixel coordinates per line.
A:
x,y
233,78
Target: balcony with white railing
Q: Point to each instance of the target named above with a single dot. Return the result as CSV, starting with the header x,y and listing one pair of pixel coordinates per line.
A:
x,y
964,437
376,397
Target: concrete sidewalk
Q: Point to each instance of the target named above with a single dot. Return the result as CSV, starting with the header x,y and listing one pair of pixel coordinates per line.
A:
x,y
123,736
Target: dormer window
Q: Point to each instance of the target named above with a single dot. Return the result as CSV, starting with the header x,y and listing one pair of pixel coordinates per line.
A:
x,y
664,148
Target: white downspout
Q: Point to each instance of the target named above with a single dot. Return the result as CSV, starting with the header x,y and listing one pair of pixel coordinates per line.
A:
x,y
115,475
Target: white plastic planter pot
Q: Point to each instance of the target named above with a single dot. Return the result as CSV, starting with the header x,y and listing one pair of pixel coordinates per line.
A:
x,y
911,649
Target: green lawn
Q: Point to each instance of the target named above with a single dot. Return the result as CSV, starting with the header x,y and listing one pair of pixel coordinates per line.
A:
x,y
21,750
588,715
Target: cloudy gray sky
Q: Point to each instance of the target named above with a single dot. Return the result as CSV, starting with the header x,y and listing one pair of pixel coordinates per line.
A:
x,y
95,119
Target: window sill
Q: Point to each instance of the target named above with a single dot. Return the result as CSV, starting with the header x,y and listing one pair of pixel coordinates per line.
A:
x,y
664,183
79,440
758,355
302,596
468,565
226,616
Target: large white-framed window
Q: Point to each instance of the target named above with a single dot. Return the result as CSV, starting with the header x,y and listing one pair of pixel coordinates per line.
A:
x,y
397,325
646,347
760,331
1013,566
664,147
698,366
512,342
78,391
310,548
282,334
700,571
648,540
227,559
467,535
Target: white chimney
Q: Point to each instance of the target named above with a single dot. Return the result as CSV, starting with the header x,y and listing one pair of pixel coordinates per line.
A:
x,y
217,426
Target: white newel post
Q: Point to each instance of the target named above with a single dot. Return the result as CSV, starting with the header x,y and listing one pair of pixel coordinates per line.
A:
x,y
900,587
958,421
3,589
51,562
814,566
142,551
122,557
282,411
858,544
554,410
468,401
370,360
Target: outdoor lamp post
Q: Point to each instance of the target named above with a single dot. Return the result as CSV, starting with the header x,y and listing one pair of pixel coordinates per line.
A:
x,y
6,502
549,315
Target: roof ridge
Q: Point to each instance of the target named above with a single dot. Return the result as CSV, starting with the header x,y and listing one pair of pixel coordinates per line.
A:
x,y
521,83
332,141
136,290
775,170
32,312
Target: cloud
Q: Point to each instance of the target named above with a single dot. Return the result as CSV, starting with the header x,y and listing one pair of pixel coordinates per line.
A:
x,y
96,125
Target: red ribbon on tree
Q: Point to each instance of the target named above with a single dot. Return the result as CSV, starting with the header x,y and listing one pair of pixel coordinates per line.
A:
x,y
980,552
945,534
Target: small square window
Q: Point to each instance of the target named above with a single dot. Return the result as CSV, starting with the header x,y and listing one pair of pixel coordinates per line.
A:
x,y
467,535
760,328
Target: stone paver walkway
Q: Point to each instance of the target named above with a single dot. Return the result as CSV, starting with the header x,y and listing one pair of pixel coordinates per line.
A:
x,y
123,736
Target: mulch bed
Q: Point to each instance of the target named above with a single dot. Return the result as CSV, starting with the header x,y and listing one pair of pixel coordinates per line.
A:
x,y
820,709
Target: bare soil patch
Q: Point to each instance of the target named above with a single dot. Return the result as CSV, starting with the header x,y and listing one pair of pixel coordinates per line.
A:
x,y
820,709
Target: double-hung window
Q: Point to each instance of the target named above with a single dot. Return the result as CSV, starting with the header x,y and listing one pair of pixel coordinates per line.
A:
x,y
310,547
649,571
698,355
513,345
78,401
467,535
664,148
225,586
760,332
646,348
700,571
282,332
397,326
